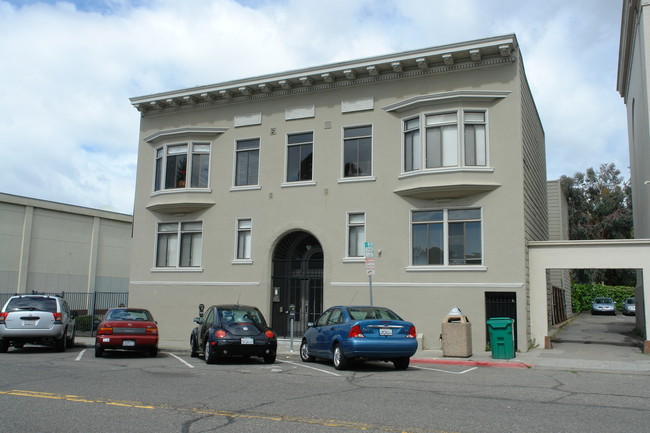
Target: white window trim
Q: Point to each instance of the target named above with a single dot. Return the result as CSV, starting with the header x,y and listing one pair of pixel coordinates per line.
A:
x,y
371,176
188,175
460,142
243,261
311,182
445,236
176,267
354,259
234,166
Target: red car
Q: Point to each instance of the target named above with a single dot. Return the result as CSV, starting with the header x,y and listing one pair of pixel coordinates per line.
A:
x,y
127,329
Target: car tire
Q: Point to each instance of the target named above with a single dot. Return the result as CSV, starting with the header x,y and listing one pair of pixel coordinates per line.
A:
x,y
4,346
70,342
207,354
340,361
99,352
61,343
401,363
194,349
304,352
269,359
153,352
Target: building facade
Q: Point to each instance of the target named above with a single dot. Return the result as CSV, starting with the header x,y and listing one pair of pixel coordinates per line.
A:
x,y
54,247
274,191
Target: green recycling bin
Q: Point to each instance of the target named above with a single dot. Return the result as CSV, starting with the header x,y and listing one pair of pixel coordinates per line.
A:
x,y
501,337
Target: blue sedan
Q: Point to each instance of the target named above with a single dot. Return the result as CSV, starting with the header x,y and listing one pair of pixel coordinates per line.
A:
x,y
358,333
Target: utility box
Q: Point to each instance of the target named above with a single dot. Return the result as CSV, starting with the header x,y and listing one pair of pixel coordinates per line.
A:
x,y
502,339
456,336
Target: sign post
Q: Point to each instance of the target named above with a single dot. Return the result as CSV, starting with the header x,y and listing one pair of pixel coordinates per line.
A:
x,y
370,265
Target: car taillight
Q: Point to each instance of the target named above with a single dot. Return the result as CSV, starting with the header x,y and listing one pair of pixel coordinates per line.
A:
x,y
412,333
269,334
105,331
3,316
355,332
152,331
220,333
58,317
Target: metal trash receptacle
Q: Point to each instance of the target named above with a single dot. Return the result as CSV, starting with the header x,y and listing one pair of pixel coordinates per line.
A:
x,y
502,340
456,336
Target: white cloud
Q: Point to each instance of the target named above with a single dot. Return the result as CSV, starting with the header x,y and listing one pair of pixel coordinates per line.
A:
x,y
68,132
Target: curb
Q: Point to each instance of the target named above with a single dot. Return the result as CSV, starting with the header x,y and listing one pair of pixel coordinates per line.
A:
x,y
469,363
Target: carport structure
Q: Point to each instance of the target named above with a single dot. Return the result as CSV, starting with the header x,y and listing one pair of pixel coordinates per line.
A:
x,y
604,254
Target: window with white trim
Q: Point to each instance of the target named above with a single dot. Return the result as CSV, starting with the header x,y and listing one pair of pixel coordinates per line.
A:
x,y
247,162
447,237
244,238
356,234
179,244
357,151
440,145
300,157
174,161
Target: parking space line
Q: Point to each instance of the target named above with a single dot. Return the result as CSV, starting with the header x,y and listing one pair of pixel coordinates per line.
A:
x,y
445,371
309,366
80,355
182,360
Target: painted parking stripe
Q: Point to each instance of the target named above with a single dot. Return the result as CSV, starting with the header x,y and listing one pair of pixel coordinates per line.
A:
x,y
78,358
182,360
313,368
445,371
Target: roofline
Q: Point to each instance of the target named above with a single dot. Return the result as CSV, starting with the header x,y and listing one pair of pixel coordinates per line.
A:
x,y
479,52
62,207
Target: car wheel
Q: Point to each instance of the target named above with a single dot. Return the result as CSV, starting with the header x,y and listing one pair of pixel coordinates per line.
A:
x,y
4,346
194,349
401,363
340,361
153,352
269,359
60,344
207,354
70,341
304,352
99,352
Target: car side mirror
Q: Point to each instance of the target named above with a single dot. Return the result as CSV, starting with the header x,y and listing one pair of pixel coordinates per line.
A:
x,y
74,314
198,320
310,324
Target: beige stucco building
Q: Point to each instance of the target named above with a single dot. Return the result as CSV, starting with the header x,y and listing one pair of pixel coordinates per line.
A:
x,y
265,191
54,247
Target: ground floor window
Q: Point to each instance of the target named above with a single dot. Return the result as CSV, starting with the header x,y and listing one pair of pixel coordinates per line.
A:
x,y
179,244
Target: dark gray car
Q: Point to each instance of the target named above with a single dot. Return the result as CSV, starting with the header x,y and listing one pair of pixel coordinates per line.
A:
x,y
36,319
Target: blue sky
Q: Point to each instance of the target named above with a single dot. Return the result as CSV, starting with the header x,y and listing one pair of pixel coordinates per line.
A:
x,y
69,134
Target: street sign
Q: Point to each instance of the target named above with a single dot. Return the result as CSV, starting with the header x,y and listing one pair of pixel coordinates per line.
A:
x,y
370,249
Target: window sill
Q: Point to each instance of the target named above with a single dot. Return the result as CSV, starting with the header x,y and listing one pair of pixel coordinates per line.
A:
x,y
245,188
424,172
180,191
242,262
357,179
353,260
297,184
177,270
460,268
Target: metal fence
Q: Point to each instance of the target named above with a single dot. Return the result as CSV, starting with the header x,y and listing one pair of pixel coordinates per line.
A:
x,y
88,306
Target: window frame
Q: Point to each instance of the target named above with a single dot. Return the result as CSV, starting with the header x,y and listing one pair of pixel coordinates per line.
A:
x,y
352,225
238,152
446,237
174,255
299,182
415,159
345,140
192,172
248,242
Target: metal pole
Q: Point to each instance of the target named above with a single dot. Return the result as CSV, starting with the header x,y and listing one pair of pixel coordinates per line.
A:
x,y
370,287
291,320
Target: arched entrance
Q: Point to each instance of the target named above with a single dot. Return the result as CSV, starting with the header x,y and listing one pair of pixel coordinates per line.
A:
x,y
297,279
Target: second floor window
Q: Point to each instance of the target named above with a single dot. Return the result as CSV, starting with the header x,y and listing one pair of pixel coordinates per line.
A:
x,y
357,151
300,149
247,163
433,141
179,244
183,165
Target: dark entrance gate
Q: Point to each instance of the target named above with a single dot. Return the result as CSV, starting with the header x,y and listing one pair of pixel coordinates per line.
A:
x,y
297,280
501,304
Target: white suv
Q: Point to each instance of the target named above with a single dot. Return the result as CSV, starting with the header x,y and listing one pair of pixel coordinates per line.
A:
x,y
36,319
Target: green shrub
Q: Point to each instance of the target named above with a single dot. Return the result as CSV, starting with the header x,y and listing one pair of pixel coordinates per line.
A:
x,y
582,295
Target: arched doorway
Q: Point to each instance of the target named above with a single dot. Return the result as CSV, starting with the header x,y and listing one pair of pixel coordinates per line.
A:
x,y
297,280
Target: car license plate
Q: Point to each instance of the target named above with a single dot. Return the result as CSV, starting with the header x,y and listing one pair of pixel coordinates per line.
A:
x,y
385,331
128,343
247,340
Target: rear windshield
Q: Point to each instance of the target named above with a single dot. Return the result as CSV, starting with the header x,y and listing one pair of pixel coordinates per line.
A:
x,y
362,313
128,314
32,304
241,315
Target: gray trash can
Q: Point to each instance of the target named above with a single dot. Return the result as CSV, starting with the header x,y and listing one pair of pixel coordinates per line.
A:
x,y
456,336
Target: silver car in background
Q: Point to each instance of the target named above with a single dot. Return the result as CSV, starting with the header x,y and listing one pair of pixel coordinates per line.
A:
x,y
629,307
36,319
603,305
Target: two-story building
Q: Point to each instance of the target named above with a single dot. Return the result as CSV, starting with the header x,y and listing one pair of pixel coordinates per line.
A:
x,y
266,191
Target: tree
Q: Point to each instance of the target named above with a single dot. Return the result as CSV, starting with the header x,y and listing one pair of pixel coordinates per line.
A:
x,y
600,207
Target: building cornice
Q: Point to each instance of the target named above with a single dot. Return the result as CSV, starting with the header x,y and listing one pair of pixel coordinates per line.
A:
x,y
447,58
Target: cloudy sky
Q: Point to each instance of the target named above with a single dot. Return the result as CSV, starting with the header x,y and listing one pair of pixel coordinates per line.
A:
x,y
68,132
